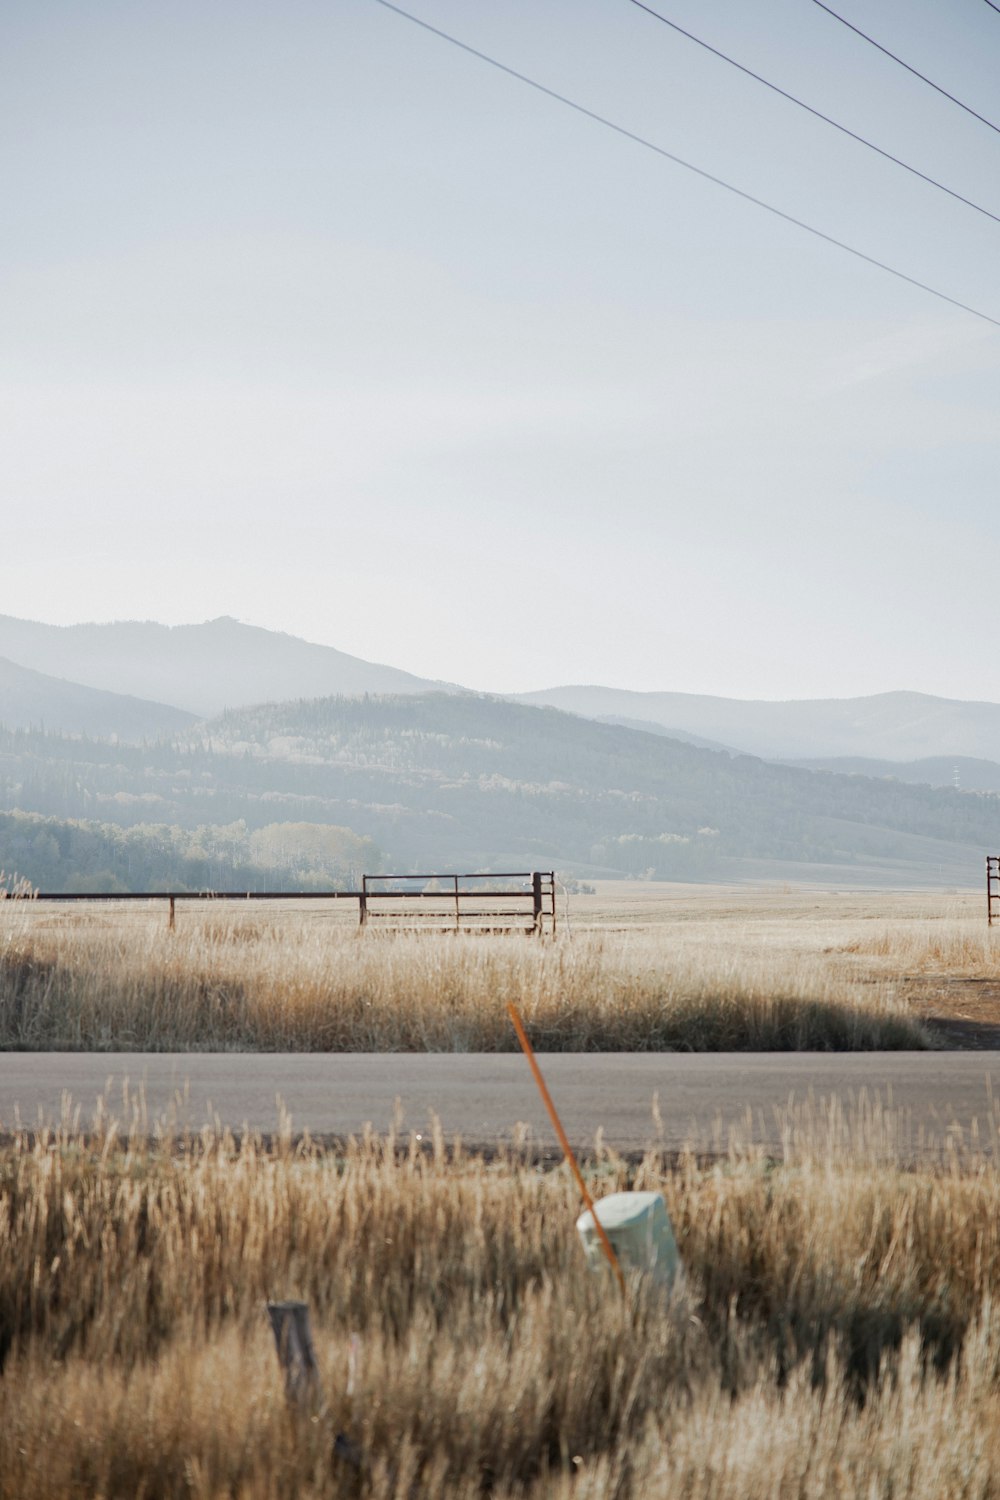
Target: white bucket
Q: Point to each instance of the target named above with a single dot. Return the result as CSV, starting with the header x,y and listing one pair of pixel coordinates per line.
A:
x,y
641,1235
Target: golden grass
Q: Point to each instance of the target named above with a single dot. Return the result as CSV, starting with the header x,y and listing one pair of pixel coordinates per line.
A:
x,y
962,946
838,1337
293,983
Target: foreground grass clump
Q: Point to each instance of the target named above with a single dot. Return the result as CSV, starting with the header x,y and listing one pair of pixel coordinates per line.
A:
x,y
295,986
837,1338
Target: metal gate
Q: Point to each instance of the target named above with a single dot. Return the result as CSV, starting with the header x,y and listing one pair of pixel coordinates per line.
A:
x,y
511,901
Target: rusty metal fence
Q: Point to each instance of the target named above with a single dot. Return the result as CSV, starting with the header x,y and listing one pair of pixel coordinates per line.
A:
x,y
519,901
992,887
512,901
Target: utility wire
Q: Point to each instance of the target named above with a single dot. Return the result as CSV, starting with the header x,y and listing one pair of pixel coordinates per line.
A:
x,y
657,16
640,140
922,76
992,6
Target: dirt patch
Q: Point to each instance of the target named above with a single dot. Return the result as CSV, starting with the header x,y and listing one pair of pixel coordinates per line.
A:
x,y
964,1011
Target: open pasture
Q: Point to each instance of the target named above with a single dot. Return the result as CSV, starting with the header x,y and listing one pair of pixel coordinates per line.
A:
x,y
837,1337
633,967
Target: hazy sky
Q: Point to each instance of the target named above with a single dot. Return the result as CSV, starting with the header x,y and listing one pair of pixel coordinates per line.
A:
x,y
311,319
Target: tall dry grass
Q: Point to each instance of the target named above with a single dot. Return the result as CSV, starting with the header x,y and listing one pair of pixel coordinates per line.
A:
x,y
967,947
290,984
838,1337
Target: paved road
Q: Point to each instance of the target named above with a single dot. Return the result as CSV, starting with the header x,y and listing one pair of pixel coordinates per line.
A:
x,y
483,1097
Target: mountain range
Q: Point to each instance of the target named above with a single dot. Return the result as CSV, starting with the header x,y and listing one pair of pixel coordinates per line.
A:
x,y
28,697
228,726
962,772
898,726
463,781
204,669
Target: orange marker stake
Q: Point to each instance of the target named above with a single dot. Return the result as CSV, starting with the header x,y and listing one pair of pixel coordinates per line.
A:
x,y
528,1051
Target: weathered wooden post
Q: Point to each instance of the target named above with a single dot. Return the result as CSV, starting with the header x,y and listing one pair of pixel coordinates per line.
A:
x,y
296,1355
536,898
171,920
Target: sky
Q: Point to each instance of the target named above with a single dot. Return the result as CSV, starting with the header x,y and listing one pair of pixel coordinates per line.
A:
x,y
312,319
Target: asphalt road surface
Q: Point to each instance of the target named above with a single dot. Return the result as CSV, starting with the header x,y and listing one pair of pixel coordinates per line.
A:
x,y
633,1098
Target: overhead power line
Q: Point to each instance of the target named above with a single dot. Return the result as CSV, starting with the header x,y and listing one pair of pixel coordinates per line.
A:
x,y
640,140
793,99
992,6
922,76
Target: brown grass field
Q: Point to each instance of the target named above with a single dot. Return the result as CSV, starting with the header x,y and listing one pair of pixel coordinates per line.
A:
x,y
637,967
837,1336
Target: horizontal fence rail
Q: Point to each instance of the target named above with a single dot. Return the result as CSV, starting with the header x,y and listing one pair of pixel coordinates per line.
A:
x,y
454,904
188,896
992,888
529,897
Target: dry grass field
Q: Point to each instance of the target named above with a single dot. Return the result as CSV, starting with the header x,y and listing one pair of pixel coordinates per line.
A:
x,y
635,968
837,1337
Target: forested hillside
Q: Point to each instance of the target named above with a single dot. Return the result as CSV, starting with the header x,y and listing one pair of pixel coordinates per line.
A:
x,y
962,771
74,855
445,781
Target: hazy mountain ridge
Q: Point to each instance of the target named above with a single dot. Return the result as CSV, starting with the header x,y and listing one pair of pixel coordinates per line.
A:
x,y
29,698
892,726
670,732
201,668
963,772
446,780
205,668
463,779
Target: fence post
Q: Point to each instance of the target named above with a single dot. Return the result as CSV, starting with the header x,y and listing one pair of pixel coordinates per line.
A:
x,y
296,1355
536,898
172,919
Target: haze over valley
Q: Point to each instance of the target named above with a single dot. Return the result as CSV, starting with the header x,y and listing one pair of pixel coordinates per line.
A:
x,y
443,442
200,669
321,765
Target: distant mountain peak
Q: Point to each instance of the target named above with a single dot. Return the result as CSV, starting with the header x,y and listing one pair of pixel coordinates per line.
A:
x,y
226,663
201,668
30,699
896,725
